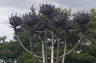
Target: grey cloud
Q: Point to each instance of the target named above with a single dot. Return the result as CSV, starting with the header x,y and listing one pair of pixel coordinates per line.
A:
x,y
25,4
5,30
84,4
16,3
22,4
4,22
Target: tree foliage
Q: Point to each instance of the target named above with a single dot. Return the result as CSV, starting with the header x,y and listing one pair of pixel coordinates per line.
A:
x,y
65,25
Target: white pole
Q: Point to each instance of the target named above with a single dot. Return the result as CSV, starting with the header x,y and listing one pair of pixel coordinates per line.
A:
x,y
30,40
58,43
52,50
63,60
45,46
43,53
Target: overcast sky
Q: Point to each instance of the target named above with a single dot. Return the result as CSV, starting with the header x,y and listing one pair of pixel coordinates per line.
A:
x,y
7,7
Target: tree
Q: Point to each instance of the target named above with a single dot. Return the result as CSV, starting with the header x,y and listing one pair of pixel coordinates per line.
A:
x,y
54,21
2,39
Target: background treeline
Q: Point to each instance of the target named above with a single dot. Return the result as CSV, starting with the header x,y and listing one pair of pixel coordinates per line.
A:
x,y
66,21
